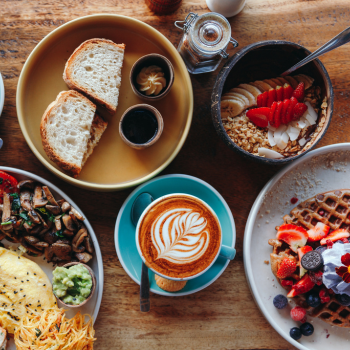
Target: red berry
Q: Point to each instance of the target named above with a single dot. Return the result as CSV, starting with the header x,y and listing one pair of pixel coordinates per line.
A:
x,y
299,92
316,277
259,100
329,244
278,114
321,212
287,91
301,287
271,114
303,320
259,116
272,97
336,235
286,104
265,96
279,93
290,111
287,267
344,240
297,313
294,200
324,296
299,110
287,283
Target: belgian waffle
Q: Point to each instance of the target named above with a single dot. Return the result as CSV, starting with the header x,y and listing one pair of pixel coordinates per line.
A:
x,y
333,209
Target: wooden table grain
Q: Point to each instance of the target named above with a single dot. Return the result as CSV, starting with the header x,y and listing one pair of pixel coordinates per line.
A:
x,y
223,316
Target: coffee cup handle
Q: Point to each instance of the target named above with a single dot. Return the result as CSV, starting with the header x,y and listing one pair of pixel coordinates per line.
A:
x,y
227,252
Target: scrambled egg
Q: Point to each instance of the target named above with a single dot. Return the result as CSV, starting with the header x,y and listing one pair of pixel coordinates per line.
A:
x,y
24,289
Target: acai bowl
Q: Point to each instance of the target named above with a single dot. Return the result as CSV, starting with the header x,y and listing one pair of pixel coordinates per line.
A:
x,y
266,117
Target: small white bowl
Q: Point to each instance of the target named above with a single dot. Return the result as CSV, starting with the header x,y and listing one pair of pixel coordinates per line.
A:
x,y
2,94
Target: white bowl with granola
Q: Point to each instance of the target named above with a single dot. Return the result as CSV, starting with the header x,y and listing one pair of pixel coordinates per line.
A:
x,y
267,117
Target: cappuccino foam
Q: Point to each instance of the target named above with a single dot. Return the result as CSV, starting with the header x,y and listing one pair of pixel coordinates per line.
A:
x,y
179,236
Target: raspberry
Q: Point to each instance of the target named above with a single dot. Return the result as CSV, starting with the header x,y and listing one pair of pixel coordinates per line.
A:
x,y
325,298
329,244
287,283
321,212
294,200
298,313
344,240
316,277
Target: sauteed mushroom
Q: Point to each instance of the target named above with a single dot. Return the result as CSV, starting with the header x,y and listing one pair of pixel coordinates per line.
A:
x,y
41,245
48,253
88,245
68,222
50,237
28,184
68,233
54,209
58,223
49,196
65,206
25,200
76,214
61,250
38,199
31,239
83,257
6,214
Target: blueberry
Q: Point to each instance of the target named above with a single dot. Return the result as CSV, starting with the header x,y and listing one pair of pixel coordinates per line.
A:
x,y
343,299
313,300
321,249
307,328
295,333
280,301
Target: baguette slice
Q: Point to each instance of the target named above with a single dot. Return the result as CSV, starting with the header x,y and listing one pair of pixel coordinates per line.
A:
x,y
70,129
94,69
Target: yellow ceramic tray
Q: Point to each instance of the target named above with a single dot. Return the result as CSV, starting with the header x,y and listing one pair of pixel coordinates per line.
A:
x,y
113,165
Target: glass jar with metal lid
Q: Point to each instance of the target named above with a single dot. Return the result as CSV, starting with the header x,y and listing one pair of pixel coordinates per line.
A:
x,y
204,42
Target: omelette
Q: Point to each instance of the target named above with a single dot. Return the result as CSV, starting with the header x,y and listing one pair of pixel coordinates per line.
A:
x,y
24,289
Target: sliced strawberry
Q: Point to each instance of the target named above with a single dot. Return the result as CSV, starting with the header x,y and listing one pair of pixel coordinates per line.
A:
x,y
301,287
289,116
265,96
259,116
286,104
318,232
287,267
335,236
271,114
287,91
299,110
299,92
293,235
287,283
279,93
278,114
259,100
301,252
272,97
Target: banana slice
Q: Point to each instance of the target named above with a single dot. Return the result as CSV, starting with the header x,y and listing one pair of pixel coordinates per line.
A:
x,y
292,82
247,94
278,82
237,95
282,81
251,88
306,77
301,78
233,106
261,85
271,83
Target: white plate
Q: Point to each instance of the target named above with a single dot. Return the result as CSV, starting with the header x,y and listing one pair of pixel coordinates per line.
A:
x,y
324,169
2,94
92,307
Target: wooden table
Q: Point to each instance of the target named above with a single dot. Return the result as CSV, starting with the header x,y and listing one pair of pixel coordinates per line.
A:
x,y
223,316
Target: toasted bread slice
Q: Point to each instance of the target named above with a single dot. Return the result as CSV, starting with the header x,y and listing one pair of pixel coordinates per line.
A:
x,y
70,130
94,69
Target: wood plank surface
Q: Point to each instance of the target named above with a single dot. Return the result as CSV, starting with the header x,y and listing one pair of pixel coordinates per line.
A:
x,y
223,316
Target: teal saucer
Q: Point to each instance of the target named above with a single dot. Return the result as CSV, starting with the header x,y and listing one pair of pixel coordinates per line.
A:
x,y
124,233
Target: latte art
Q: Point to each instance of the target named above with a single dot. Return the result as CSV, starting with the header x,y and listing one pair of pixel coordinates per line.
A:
x,y
179,236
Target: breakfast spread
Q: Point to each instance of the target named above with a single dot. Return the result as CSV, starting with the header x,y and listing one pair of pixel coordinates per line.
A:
x,y
94,69
179,237
32,217
274,118
311,259
53,330
151,80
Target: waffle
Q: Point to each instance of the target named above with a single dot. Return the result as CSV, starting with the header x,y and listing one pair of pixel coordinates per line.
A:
x,y
331,208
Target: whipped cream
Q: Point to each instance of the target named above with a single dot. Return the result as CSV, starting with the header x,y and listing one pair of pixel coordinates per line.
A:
x,y
332,259
180,235
151,80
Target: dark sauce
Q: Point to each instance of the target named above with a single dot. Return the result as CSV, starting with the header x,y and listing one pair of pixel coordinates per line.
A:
x,y
140,126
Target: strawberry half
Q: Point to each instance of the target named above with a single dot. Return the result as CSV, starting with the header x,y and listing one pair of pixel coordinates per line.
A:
x,y
272,97
265,97
301,252
271,114
259,116
319,231
301,287
287,91
335,236
299,110
286,104
279,93
287,267
290,111
299,92
259,100
293,235
278,115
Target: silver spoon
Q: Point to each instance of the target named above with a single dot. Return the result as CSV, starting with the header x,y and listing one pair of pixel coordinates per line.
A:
x,y
139,205
339,40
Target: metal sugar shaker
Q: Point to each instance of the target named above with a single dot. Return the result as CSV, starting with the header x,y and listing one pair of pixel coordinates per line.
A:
x,y
205,41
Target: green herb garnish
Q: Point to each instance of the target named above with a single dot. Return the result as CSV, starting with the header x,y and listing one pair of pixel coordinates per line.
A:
x,y
1,180
16,203
59,233
6,223
49,215
26,218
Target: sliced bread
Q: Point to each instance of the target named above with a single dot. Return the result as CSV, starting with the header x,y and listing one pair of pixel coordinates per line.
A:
x,y
94,69
70,129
